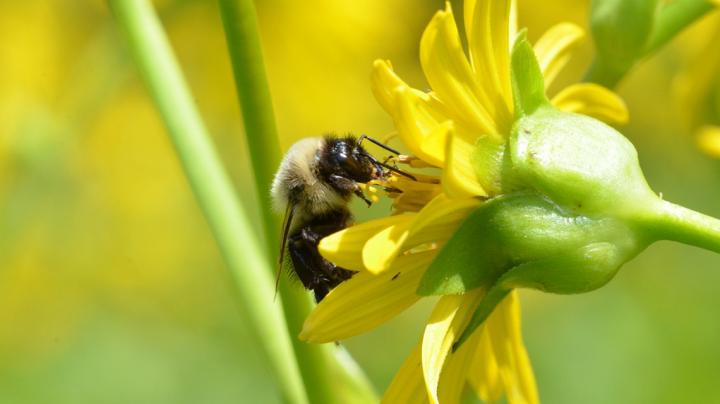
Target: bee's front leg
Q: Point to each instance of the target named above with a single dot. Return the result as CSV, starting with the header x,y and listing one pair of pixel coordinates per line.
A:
x,y
348,185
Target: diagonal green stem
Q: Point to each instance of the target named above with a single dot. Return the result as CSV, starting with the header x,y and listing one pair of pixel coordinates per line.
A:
x,y
320,365
228,220
673,18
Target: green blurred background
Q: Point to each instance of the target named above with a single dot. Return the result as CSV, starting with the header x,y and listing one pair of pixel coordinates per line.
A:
x,y
112,290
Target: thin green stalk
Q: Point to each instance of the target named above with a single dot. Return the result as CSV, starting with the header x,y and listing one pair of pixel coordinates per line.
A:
x,y
240,24
669,21
227,217
319,365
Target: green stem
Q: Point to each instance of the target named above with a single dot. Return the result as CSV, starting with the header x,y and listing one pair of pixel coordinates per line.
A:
x,y
228,220
674,222
673,18
320,365
251,84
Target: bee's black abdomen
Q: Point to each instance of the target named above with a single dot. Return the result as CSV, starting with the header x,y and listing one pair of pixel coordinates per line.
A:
x,y
315,272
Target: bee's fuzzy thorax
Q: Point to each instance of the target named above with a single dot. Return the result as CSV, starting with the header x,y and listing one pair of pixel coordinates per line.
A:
x,y
297,181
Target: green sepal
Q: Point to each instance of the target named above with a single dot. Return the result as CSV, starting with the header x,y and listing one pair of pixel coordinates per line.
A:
x,y
511,230
528,84
577,270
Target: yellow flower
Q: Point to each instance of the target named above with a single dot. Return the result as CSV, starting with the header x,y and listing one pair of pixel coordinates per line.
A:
x,y
698,90
469,109
708,138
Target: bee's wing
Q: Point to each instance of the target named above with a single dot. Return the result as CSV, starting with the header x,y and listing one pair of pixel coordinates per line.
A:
x,y
287,222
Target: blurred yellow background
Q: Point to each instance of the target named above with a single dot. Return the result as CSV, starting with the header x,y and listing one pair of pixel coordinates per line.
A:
x,y
112,290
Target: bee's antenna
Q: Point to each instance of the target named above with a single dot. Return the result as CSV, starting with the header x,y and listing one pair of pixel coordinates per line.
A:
x,y
383,164
388,148
389,167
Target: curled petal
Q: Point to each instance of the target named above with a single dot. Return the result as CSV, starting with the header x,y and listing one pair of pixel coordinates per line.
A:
x,y
384,83
592,100
365,301
451,77
408,385
419,127
344,248
554,47
445,325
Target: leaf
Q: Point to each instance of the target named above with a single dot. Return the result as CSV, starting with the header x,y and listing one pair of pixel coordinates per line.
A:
x,y
510,230
527,80
468,260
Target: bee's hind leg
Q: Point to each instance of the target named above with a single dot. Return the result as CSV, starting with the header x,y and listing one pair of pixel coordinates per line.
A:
x,y
315,272
306,261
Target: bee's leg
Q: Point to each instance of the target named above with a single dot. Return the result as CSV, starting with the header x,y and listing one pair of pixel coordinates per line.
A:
x,y
348,185
320,292
360,194
312,235
315,272
306,261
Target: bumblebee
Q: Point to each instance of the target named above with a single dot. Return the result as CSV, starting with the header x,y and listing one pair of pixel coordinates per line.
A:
x,y
313,186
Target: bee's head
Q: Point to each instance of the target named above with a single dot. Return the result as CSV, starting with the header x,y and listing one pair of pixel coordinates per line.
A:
x,y
349,159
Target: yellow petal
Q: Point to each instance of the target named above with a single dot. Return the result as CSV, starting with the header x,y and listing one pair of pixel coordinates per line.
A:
x,y
408,385
456,372
435,223
708,139
513,25
381,249
459,178
512,359
445,325
365,301
416,114
434,142
449,74
592,100
554,47
483,375
344,248
488,26
418,124
384,82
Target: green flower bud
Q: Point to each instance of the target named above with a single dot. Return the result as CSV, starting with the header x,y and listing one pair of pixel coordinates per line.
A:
x,y
621,30
578,161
